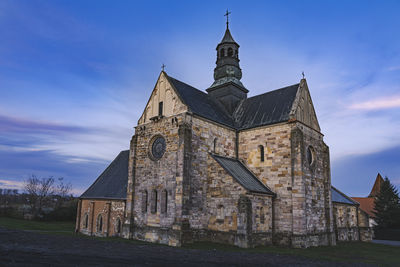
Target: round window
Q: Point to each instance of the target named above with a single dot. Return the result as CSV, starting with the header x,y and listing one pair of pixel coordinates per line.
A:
x,y
310,155
158,147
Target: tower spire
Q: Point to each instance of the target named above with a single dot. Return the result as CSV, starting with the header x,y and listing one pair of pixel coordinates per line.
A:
x,y
227,87
227,18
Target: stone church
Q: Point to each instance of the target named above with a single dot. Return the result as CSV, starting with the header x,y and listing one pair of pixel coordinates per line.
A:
x,y
220,166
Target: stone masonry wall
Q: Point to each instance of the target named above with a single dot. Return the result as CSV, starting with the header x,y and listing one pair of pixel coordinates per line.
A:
x,y
274,171
345,217
244,227
112,212
156,176
302,205
204,134
314,178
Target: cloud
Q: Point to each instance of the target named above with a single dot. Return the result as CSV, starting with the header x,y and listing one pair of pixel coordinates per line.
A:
x,y
20,125
11,184
376,104
17,166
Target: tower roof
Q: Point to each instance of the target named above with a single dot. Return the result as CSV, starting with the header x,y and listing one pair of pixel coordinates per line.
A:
x,y
227,37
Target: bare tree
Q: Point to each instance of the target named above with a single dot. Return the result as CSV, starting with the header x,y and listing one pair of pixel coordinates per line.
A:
x,y
63,191
38,192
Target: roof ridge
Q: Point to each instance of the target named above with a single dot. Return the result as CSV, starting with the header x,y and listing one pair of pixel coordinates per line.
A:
x,y
187,85
273,91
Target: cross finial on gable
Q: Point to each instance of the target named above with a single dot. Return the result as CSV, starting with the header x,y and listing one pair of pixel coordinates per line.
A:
x,y
227,17
302,73
163,67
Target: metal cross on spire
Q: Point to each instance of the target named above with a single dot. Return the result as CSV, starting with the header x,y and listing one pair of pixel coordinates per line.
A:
x,y
163,67
302,73
227,17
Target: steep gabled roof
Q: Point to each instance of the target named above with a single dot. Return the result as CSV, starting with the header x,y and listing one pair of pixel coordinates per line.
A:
x,y
377,186
340,197
112,183
242,175
269,108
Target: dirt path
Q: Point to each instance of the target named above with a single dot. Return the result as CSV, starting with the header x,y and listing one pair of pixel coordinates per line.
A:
x,y
22,248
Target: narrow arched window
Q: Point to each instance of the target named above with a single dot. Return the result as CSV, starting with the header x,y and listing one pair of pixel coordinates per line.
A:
x,y
154,201
164,201
144,201
230,52
215,145
261,148
85,221
262,219
118,226
222,52
100,223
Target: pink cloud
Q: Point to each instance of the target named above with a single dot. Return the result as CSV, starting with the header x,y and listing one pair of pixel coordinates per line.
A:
x,y
9,184
382,103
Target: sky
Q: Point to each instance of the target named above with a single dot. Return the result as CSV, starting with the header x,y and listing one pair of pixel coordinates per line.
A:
x,y
75,76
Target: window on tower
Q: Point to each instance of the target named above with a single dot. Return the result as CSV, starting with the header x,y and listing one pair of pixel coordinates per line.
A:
x,y
230,52
222,52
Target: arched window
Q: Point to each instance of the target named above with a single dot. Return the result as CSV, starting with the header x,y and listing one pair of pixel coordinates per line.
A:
x,y
144,201
261,148
262,219
164,201
230,52
215,145
85,221
118,226
310,155
154,201
100,223
222,52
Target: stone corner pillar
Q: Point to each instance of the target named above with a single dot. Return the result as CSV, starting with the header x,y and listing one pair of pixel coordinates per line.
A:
x,y
128,222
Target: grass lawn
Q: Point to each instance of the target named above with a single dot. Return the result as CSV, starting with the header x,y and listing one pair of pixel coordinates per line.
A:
x,y
381,255
40,226
356,252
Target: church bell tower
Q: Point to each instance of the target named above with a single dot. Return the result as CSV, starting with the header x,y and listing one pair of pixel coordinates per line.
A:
x,y
227,87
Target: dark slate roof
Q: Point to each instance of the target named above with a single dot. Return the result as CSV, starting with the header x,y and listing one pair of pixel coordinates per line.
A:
x,y
268,108
227,37
340,197
201,103
242,175
112,183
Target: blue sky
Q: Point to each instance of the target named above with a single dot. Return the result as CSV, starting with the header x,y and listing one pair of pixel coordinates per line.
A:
x,y
75,76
